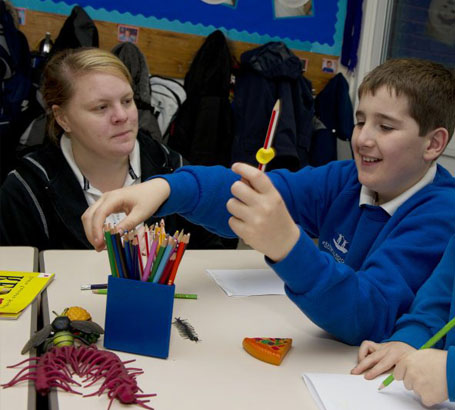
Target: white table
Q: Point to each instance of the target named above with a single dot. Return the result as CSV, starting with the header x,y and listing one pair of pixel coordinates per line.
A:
x,y
15,333
215,373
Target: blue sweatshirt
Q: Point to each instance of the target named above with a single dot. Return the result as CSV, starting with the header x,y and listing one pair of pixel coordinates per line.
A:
x,y
433,307
369,265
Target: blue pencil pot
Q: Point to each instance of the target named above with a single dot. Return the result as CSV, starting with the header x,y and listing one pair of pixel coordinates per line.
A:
x,y
138,317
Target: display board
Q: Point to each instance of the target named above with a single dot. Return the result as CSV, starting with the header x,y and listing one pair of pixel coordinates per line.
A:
x,y
308,25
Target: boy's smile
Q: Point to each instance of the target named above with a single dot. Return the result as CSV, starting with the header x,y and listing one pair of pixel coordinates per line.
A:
x,y
389,153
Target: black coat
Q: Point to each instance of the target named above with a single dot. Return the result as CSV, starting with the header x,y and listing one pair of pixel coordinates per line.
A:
x,y
268,73
41,201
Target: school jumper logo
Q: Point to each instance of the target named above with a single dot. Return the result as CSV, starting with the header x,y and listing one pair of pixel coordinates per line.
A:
x,y
340,243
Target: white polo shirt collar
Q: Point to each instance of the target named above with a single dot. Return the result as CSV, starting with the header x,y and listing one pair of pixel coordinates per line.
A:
x,y
368,197
91,193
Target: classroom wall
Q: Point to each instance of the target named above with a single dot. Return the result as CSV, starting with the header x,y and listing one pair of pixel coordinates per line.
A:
x,y
371,49
168,53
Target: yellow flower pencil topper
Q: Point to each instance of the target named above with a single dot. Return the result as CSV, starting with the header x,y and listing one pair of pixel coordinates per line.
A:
x,y
267,153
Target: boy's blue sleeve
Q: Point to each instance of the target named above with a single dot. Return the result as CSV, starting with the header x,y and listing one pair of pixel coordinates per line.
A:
x,y
200,194
450,373
432,307
357,305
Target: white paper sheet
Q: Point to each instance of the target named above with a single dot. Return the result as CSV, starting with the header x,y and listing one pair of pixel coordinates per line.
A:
x,y
348,392
248,282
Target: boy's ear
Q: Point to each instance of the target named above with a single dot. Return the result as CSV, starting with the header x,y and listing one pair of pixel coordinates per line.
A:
x,y
437,143
60,117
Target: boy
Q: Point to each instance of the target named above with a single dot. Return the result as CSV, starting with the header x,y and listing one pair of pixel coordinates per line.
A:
x,y
431,372
374,252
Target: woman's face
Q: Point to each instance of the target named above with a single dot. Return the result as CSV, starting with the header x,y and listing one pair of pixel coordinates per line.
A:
x,y
101,117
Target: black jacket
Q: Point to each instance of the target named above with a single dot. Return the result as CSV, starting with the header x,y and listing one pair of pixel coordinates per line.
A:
x,y
203,130
41,201
268,73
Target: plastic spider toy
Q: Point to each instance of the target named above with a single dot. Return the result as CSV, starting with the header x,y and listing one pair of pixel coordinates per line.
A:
x,y
63,332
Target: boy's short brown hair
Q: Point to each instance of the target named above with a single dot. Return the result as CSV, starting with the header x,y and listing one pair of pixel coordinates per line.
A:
x,y
428,86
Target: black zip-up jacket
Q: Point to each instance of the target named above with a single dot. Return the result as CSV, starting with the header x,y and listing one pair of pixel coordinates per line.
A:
x,y
41,201
268,73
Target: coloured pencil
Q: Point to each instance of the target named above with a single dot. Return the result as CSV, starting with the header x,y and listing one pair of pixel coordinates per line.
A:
x,y
163,262
146,238
110,253
116,255
266,154
190,296
139,256
167,270
180,251
100,291
157,261
428,344
151,258
94,286
185,296
128,260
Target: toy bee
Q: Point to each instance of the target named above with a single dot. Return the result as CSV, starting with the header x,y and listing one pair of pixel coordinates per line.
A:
x,y
63,332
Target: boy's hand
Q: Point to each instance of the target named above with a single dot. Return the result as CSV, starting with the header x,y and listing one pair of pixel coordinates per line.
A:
x,y
139,202
379,357
424,371
259,214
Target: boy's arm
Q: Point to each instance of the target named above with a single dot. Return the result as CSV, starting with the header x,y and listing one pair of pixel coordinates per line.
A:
x,y
357,305
429,313
200,194
431,308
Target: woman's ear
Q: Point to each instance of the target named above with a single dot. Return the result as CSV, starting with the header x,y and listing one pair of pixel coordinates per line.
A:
x,y
437,143
60,117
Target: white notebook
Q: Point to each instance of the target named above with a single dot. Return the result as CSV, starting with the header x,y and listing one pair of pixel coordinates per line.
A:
x,y
348,392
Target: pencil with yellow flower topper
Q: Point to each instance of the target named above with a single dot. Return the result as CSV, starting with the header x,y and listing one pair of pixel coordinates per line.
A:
x,y
267,153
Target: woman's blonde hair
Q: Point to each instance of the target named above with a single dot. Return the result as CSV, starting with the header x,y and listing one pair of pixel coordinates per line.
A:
x,y
63,68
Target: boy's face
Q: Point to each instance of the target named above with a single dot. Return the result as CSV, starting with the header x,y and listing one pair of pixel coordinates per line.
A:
x,y
388,151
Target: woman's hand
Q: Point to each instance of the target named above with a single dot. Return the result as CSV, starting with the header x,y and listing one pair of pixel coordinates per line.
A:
x,y
377,358
259,214
424,371
139,202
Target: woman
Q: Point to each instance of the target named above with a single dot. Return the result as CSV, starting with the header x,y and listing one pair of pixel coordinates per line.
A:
x,y
95,147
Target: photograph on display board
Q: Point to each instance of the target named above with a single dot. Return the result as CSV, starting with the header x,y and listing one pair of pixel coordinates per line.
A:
x,y
21,16
224,2
329,66
293,8
127,33
441,21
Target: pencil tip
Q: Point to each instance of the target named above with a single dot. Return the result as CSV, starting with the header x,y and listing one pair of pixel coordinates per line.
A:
x,y
381,386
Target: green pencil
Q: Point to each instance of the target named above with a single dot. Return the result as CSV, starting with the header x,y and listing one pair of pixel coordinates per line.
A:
x,y
110,253
157,260
429,343
99,291
176,295
185,296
